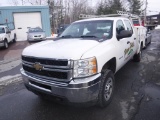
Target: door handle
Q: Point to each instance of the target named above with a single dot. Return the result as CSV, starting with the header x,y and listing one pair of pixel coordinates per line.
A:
x,y
128,42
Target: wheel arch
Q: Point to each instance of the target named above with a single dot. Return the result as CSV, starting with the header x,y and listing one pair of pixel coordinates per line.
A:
x,y
111,65
6,39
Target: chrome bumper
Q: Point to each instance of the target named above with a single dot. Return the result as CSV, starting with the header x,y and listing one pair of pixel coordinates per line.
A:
x,y
76,91
36,39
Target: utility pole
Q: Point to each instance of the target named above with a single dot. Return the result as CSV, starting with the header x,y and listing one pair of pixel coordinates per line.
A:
x,y
61,11
22,2
145,14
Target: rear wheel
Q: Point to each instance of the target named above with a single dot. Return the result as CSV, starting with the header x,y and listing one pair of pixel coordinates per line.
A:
x,y
5,44
137,57
106,88
146,43
150,40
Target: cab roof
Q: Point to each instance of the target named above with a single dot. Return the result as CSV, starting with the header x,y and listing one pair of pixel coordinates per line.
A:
x,y
103,18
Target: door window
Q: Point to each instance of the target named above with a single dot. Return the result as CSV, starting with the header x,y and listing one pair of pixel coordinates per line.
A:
x,y
128,25
119,27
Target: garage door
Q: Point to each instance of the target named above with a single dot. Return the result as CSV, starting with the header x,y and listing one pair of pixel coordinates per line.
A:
x,y
23,21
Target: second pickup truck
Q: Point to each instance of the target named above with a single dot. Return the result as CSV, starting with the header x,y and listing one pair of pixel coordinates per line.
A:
x,y
6,36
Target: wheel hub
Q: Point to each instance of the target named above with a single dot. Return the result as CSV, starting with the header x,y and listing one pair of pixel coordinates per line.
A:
x,y
108,89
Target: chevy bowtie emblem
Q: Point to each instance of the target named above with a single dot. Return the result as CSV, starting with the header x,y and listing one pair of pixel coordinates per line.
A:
x,y
38,66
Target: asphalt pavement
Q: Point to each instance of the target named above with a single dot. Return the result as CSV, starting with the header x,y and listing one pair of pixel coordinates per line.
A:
x,y
137,94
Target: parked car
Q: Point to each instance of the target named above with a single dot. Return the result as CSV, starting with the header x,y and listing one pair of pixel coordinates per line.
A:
x,y
6,36
36,34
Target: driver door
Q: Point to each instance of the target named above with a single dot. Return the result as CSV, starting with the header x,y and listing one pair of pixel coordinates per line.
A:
x,y
131,41
122,45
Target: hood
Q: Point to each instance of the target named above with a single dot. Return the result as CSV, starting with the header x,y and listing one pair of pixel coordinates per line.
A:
x,y
60,49
36,33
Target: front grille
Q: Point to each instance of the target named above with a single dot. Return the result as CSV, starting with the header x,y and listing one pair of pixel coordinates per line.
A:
x,y
37,36
45,61
51,74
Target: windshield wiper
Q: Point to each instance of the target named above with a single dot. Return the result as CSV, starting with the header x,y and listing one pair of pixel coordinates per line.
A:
x,y
88,36
66,36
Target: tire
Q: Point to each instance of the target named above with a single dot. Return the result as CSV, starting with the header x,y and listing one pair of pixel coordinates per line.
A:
x,y
145,44
106,88
15,38
137,57
5,44
150,40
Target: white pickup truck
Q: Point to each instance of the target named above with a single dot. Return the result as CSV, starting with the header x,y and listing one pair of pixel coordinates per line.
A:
x,y
80,64
6,36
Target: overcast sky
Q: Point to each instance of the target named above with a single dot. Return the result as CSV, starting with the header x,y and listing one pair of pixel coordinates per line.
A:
x,y
153,5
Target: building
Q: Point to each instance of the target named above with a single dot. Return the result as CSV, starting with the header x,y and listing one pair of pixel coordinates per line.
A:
x,y
20,18
153,19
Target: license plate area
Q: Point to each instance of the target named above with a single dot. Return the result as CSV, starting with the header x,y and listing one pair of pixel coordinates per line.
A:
x,y
42,86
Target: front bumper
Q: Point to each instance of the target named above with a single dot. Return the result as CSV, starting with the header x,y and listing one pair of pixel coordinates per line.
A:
x,y
1,43
76,91
36,39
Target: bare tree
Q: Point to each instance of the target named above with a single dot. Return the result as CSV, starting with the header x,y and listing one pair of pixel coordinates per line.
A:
x,y
14,2
28,2
78,7
37,2
17,2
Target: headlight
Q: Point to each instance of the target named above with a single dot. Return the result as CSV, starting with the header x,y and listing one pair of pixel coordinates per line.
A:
x,y
84,68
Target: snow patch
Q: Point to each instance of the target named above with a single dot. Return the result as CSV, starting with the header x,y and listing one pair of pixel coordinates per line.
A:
x,y
10,65
124,106
4,81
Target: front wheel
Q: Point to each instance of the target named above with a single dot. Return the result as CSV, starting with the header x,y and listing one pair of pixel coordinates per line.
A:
x,y
15,38
106,88
5,44
150,40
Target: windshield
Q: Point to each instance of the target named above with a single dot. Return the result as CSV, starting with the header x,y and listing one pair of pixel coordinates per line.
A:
x,y
62,28
97,29
135,22
35,30
2,30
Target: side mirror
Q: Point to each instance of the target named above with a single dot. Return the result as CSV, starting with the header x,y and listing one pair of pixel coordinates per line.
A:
x,y
8,32
124,34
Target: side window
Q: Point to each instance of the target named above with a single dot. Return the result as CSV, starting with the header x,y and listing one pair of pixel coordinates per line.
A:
x,y
119,26
128,25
